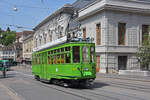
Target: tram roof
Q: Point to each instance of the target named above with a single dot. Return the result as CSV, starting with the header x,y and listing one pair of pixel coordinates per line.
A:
x,y
63,40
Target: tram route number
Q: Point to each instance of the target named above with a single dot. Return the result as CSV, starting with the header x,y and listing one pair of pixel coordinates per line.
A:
x,y
87,73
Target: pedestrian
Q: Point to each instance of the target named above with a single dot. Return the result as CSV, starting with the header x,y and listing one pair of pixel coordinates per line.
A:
x,y
4,69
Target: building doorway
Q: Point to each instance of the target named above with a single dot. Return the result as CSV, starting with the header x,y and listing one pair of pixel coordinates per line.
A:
x,y
122,62
97,63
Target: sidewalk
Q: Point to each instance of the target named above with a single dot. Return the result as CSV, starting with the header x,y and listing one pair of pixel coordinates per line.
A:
x,y
124,77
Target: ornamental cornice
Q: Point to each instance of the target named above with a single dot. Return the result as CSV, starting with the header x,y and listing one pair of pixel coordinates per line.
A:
x,y
64,9
115,8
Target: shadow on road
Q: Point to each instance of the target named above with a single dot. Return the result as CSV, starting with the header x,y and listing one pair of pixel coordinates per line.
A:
x,y
92,87
7,76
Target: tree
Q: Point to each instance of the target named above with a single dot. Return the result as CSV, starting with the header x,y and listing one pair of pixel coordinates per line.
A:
x,y
7,38
1,30
8,29
143,54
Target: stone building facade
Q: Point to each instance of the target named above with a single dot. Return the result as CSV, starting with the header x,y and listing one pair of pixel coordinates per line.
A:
x,y
8,53
53,27
27,46
118,27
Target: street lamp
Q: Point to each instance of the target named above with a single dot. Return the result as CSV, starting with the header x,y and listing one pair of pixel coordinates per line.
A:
x,y
15,8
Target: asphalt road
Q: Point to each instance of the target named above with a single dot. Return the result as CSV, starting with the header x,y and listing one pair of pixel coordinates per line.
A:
x,y
20,85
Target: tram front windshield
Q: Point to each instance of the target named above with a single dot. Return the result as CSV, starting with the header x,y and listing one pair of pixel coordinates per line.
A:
x,y
85,54
92,54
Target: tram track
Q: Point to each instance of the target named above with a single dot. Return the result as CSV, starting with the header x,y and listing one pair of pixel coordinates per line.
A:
x,y
88,94
103,93
123,78
127,85
85,95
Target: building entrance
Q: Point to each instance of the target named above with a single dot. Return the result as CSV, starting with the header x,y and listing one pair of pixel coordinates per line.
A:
x,y
122,62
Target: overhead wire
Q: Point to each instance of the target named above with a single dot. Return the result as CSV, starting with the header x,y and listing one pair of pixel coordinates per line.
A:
x,y
24,6
17,26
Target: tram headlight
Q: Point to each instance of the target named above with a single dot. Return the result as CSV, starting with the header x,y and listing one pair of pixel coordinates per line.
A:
x,y
86,69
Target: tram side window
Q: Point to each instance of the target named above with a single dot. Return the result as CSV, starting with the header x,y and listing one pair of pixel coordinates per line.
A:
x,y
52,59
58,50
58,59
67,56
39,60
43,60
54,51
67,48
49,60
85,53
62,59
76,54
62,49
49,52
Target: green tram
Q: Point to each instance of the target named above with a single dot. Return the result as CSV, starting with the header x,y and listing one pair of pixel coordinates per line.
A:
x,y
67,63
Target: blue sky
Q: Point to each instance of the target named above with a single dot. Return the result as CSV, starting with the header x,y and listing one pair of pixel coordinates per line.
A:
x,y
29,13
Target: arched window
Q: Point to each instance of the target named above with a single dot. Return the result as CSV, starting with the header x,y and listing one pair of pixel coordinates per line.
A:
x,y
45,38
50,37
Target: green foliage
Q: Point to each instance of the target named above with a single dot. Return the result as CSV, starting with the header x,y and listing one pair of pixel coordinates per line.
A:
x,y
7,38
143,53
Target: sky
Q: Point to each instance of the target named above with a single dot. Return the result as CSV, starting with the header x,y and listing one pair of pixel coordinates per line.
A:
x,y
29,12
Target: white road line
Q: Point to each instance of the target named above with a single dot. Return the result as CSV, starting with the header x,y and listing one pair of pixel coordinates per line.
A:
x,y
24,74
11,93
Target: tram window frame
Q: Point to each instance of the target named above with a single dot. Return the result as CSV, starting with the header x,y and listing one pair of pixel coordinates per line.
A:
x,y
76,54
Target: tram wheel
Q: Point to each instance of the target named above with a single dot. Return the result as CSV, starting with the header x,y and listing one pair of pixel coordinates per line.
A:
x,y
37,78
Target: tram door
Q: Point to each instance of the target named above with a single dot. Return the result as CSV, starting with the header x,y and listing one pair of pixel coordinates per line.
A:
x,y
43,66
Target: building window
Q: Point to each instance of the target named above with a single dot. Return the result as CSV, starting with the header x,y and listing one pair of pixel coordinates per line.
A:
x,y
97,63
121,33
145,32
122,62
36,42
84,32
40,42
98,31
60,35
50,37
45,40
